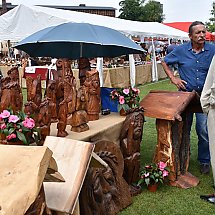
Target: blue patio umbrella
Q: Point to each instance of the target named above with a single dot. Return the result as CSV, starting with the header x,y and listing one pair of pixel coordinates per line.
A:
x,y
75,40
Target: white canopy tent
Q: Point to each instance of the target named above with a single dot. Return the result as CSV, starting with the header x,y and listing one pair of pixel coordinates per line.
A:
x,y
23,21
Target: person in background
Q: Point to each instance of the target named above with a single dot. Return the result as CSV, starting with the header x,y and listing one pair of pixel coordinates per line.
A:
x,y
208,106
170,48
193,59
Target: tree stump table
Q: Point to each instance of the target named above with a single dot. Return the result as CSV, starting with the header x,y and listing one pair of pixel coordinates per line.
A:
x,y
173,143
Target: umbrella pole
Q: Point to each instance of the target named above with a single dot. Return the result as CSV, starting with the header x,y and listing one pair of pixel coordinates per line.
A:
x,y
81,50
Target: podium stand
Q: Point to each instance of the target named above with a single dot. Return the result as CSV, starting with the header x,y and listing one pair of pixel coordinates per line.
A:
x,y
173,144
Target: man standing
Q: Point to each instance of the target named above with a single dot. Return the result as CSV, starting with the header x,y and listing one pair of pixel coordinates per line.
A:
x,y
193,59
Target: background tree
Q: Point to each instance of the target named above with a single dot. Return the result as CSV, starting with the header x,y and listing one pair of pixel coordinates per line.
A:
x,y
152,12
211,24
130,9
136,10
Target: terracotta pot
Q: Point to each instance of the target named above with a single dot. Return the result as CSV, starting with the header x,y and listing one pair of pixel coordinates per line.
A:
x,y
122,112
152,187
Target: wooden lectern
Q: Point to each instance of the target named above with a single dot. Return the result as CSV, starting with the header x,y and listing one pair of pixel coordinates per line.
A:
x,y
173,144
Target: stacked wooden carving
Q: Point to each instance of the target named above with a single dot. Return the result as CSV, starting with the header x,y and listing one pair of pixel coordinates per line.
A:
x,y
62,102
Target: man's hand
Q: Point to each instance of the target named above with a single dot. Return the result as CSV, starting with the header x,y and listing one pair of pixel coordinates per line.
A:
x,y
180,84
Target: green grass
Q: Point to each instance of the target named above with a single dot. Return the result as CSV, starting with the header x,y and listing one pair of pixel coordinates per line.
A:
x,y
170,200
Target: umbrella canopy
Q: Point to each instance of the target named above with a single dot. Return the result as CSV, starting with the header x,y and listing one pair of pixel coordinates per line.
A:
x,y
75,40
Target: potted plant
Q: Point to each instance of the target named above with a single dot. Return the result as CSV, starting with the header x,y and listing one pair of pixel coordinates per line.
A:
x,y
126,97
154,174
16,128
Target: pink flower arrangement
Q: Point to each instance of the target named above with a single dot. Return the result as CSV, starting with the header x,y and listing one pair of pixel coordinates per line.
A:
x,y
18,127
126,97
153,174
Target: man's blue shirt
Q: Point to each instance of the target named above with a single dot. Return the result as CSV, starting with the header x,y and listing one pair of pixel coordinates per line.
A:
x,y
192,67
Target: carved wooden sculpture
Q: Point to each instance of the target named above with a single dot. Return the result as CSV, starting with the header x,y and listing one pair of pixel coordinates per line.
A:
x,y
39,206
84,66
11,95
92,85
62,109
70,92
79,117
34,89
130,140
44,119
51,94
13,73
105,192
63,67
32,110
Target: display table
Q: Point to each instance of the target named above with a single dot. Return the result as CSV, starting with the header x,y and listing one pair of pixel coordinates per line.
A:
x,y
108,127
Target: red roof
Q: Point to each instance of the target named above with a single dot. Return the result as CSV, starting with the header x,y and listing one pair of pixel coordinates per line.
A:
x,y
184,26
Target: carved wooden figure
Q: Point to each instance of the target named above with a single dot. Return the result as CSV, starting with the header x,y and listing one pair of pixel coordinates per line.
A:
x,y
34,89
39,207
70,92
51,94
92,85
105,192
62,107
44,119
84,66
130,140
63,67
13,73
32,110
11,94
79,117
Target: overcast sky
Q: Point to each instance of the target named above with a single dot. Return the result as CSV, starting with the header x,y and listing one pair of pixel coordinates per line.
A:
x,y
174,10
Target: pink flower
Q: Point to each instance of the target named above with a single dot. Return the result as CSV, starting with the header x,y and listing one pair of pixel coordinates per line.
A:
x,y
121,100
165,173
13,118
161,165
28,123
5,114
3,126
126,91
146,174
11,136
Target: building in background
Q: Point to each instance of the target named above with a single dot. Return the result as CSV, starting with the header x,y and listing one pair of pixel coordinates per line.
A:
x,y
104,11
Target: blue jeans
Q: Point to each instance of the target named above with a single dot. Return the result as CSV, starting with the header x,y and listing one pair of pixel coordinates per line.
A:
x,y
202,133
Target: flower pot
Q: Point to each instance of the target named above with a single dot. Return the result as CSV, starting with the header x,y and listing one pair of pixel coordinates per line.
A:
x,y
18,142
122,112
152,187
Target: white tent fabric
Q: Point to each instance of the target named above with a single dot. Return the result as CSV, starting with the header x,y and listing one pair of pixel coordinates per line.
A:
x,y
23,20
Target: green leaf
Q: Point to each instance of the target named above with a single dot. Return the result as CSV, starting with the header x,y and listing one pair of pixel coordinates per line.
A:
x,y
140,181
11,130
22,137
147,180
